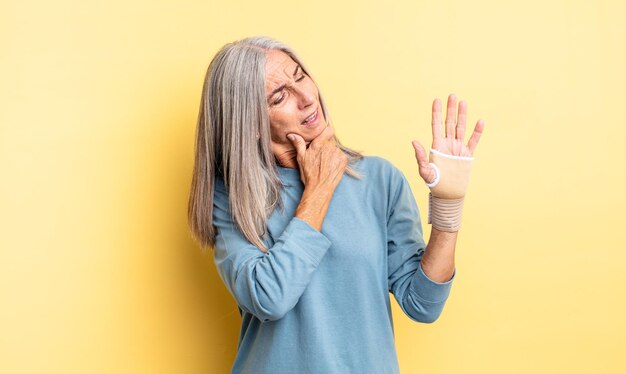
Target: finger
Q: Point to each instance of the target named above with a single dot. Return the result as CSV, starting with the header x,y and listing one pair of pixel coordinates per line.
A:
x,y
436,120
325,136
451,116
425,169
478,130
460,125
298,143
420,155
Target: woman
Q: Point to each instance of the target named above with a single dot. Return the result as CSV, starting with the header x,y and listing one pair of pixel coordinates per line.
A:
x,y
309,236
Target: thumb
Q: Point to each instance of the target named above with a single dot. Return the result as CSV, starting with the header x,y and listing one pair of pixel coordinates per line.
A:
x,y
426,172
298,143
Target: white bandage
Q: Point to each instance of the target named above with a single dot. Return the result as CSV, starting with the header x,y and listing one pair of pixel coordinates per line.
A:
x,y
447,191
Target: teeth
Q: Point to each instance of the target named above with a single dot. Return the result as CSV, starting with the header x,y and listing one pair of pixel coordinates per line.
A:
x,y
310,117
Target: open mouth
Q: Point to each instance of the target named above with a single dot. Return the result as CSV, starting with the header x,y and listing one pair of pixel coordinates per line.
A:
x,y
310,120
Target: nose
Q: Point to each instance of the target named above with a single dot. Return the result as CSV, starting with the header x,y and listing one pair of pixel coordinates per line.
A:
x,y
305,97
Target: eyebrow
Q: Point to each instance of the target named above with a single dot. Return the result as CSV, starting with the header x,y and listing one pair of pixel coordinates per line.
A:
x,y
282,86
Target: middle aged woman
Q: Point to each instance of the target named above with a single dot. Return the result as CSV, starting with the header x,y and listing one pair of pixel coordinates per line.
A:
x,y
309,236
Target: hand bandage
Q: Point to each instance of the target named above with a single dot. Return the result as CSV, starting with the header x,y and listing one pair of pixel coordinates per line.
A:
x,y
447,191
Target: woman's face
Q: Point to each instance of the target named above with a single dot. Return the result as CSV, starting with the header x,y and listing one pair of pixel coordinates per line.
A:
x,y
293,102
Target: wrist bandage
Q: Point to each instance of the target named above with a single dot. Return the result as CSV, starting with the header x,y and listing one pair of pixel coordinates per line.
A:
x,y
447,191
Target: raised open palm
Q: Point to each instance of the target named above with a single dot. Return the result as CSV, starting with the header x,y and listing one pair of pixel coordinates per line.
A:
x,y
450,143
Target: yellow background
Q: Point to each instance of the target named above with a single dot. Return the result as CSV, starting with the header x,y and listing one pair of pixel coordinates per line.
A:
x,y
98,108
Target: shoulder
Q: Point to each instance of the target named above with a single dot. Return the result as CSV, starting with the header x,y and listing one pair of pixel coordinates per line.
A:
x,y
380,176
385,183
378,168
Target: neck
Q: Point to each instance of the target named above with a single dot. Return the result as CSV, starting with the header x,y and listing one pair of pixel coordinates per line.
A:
x,y
285,154
287,158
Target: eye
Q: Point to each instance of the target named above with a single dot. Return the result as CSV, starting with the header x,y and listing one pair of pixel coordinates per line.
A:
x,y
300,77
279,99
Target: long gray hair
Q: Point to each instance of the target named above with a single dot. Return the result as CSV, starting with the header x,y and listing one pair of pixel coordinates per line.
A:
x,y
233,142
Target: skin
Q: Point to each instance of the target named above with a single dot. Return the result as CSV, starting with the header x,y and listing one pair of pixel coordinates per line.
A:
x,y
322,163
290,106
438,259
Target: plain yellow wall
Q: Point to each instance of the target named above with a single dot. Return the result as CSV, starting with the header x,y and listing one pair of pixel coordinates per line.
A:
x,y
99,100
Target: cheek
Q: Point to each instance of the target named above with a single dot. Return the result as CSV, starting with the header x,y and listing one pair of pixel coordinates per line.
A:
x,y
277,133
282,122
279,127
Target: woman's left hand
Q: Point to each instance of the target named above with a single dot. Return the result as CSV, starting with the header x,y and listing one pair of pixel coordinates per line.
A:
x,y
451,142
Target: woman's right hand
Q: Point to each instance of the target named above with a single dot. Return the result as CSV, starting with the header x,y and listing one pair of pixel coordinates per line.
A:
x,y
321,165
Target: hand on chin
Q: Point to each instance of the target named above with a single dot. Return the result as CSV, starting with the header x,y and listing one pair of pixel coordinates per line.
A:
x,y
308,136
285,154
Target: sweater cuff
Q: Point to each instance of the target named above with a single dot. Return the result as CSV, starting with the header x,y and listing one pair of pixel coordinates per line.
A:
x,y
304,238
430,290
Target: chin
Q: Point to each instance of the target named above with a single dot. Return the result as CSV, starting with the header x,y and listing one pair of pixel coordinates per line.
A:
x,y
311,134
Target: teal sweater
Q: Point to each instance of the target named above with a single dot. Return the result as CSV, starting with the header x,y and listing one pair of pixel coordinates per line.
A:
x,y
318,302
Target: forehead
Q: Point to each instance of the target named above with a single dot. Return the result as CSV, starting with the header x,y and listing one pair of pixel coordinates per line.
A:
x,y
278,67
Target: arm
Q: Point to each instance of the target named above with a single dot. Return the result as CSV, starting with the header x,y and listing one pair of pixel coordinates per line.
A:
x,y
438,260
421,298
269,285
448,182
321,168
421,278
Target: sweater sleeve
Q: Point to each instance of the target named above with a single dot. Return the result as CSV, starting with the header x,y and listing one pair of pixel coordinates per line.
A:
x,y
421,298
266,285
